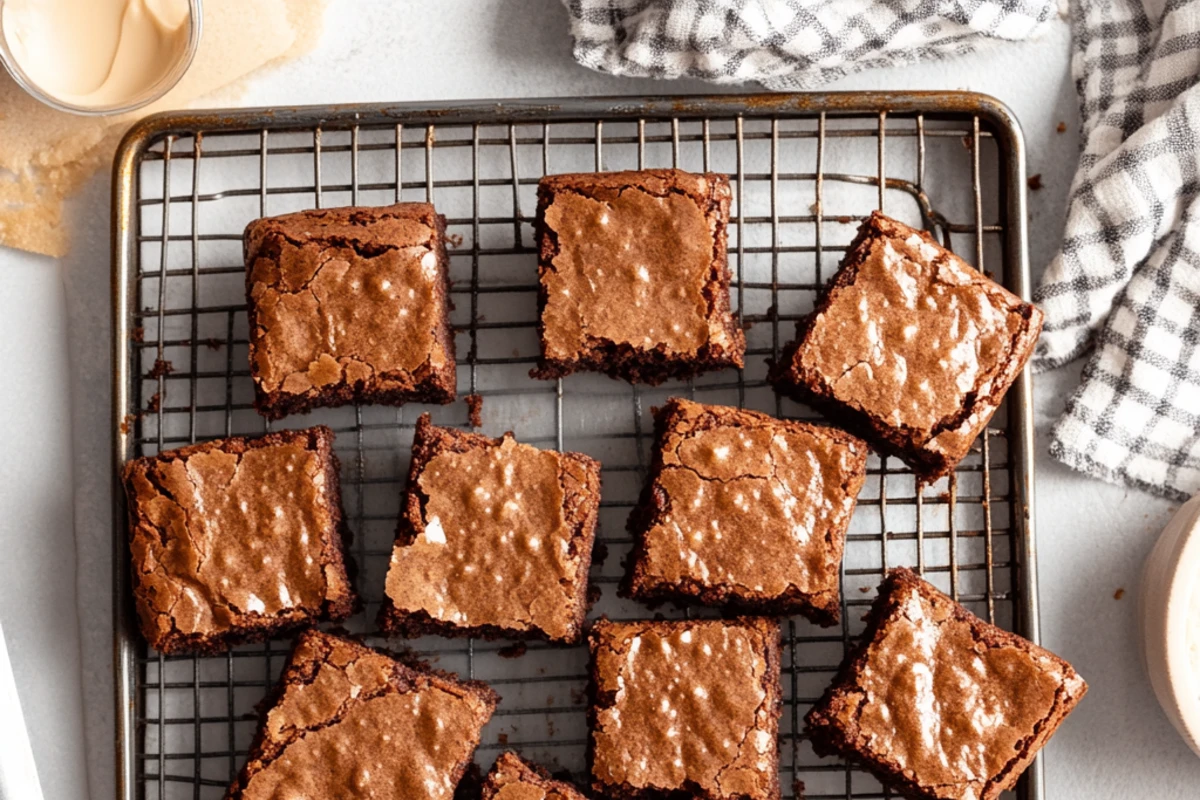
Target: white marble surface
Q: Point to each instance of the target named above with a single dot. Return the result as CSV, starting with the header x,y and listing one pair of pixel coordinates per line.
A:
x,y
55,340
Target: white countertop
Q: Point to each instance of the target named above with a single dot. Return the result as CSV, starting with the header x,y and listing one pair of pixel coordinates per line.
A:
x,y
55,340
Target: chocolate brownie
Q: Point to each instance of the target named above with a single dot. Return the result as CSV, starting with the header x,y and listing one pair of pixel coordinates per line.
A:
x,y
495,539
746,510
685,708
910,347
939,704
349,721
633,275
514,778
349,305
236,540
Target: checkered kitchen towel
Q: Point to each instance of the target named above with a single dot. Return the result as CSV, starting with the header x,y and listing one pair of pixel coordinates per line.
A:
x,y
1127,282
786,44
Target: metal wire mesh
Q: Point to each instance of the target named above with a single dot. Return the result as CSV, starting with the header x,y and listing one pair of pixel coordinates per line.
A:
x,y
802,179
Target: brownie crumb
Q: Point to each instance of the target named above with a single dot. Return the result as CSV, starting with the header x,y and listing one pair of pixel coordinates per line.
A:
x,y
1035,182
475,410
138,334
593,594
454,240
1062,127
579,697
155,403
798,789
213,343
599,554
127,423
161,367
502,738
1119,593
864,589
515,650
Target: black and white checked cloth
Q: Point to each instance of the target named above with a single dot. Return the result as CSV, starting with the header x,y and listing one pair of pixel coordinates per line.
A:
x,y
786,44
1127,281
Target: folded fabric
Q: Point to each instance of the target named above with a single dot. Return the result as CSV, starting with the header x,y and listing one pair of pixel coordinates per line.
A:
x,y
786,44
1127,281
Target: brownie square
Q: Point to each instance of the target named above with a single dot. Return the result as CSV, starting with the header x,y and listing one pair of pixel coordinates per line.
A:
x,y
939,704
514,778
349,305
633,275
495,539
685,708
745,510
346,720
237,540
910,347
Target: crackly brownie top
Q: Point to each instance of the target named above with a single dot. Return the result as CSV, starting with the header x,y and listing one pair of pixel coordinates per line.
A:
x,y
233,527
685,701
633,261
494,543
752,501
345,295
946,697
352,719
513,779
917,331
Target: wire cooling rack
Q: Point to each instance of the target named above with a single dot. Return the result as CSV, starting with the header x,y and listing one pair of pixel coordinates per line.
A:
x,y
805,169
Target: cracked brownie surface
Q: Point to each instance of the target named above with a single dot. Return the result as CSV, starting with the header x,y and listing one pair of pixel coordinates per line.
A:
x,y
514,778
746,510
686,708
351,722
495,539
349,305
633,275
938,703
909,346
237,539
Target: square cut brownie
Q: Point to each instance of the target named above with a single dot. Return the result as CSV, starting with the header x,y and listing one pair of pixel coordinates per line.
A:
x,y
939,704
513,778
746,510
236,540
910,347
685,708
495,539
349,305
633,275
347,721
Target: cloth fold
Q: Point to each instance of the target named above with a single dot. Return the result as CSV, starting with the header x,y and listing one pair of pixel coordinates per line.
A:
x,y
787,44
1126,284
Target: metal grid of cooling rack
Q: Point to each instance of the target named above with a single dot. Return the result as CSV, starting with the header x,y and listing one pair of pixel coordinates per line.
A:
x,y
805,168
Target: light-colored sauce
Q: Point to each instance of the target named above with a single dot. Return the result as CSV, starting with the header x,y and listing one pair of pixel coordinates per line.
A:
x,y
96,53
1193,631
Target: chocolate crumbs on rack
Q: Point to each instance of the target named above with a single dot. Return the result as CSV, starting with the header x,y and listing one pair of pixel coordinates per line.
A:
x,y
161,367
514,650
475,410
